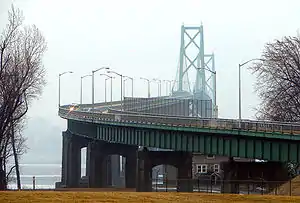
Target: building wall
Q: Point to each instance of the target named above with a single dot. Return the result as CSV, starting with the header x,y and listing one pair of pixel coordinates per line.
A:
x,y
202,165
207,164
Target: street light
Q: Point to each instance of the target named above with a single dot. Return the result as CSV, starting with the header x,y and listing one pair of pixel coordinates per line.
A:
x,y
93,72
81,86
131,85
159,85
124,86
105,89
121,81
240,94
59,75
148,85
170,83
108,77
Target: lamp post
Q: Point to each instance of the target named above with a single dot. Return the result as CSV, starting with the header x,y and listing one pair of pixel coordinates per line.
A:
x,y
240,94
159,86
59,75
108,77
121,81
105,89
81,86
93,72
124,89
131,85
170,83
148,85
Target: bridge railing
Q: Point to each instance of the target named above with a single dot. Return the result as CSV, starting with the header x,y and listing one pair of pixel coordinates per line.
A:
x,y
140,104
228,124
173,107
81,106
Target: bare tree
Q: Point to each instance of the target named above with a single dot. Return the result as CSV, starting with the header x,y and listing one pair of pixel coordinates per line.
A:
x,y
21,79
278,80
278,84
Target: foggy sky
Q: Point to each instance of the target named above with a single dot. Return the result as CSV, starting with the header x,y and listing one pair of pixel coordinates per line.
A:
x,y
142,38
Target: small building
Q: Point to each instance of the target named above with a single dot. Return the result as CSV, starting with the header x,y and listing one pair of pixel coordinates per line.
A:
x,y
209,164
202,166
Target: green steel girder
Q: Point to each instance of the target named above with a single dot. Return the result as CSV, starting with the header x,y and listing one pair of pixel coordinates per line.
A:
x,y
83,129
193,129
221,144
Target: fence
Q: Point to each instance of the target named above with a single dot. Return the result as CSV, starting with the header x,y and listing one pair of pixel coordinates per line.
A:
x,y
38,182
259,187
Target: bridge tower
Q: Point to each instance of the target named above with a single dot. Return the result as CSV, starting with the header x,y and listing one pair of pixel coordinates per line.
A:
x,y
193,60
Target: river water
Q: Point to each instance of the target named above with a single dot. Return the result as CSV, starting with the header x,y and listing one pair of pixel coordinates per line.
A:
x,y
45,176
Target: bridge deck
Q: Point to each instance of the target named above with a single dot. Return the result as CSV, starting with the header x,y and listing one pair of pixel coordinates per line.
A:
x,y
279,130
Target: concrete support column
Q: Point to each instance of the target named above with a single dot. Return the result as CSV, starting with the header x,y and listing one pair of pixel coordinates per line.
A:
x,y
105,171
130,170
71,160
94,164
115,171
64,167
143,173
185,183
229,176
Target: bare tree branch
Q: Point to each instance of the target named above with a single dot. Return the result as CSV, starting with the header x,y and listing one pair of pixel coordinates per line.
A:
x,y
278,80
10,171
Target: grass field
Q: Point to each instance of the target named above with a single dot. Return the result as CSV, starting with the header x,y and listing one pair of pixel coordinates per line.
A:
x,y
54,196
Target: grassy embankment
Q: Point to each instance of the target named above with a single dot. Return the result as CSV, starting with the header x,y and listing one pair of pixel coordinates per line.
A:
x,y
55,196
290,188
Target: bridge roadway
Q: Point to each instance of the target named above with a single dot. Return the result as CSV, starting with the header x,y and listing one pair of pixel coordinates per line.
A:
x,y
120,132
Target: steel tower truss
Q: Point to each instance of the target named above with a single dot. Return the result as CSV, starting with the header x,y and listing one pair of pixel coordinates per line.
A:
x,y
192,57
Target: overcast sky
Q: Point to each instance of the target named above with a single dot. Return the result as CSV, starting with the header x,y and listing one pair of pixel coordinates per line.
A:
x,y
142,38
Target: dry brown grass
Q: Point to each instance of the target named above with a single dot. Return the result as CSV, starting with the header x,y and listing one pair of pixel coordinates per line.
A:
x,y
54,196
292,186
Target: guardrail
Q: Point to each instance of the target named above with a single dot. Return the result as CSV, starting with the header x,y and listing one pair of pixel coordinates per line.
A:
x,y
108,104
187,107
157,104
129,103
228,124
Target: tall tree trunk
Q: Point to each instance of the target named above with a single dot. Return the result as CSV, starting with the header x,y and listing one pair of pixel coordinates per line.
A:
x,y
15,157
2,176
